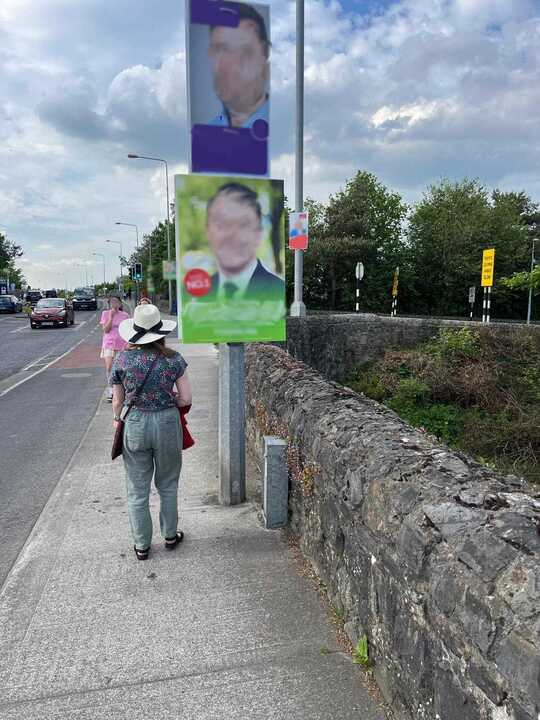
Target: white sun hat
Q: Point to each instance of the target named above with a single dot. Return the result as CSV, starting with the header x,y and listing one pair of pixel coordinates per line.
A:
x,y
146,326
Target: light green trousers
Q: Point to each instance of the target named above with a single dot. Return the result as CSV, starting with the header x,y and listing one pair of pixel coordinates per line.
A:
x,y
152,449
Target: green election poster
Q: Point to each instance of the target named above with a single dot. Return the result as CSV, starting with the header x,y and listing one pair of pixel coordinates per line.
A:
x,y
230,236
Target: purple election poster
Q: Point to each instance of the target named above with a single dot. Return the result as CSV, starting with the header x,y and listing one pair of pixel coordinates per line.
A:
x,y
229,86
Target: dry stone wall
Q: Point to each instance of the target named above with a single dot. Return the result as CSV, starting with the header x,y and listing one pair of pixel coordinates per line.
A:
x,y
431,556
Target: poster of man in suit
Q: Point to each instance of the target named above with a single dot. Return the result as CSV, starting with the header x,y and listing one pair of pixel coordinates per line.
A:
x,y
230,238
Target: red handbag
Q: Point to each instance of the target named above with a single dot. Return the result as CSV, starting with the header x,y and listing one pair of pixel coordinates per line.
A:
x,y
187,440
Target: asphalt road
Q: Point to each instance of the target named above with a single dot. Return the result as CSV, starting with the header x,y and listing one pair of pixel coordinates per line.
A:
x,y
51,381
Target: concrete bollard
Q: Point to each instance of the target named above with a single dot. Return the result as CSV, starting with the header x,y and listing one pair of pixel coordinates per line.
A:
x,y
276,483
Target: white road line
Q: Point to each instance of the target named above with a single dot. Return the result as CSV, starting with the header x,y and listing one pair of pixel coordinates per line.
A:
x,y
24,327
41,369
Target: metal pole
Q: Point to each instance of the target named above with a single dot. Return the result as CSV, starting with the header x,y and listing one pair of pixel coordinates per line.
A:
x,y
231,425
529,306
168,233
298,309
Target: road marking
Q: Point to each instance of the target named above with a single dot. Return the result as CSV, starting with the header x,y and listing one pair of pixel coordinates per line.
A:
x,y
24,327
41,369
76,375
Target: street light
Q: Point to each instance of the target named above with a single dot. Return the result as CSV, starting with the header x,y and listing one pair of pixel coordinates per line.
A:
x,y
102,256
131,225
120,257
132,156
79,265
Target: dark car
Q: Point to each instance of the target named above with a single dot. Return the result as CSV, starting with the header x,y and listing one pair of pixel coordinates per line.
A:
x,y
52,311
10,304
33,296
84,299
51,293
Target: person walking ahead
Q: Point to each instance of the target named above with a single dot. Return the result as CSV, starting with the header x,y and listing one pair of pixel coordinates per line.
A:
x,y
112,342
147,374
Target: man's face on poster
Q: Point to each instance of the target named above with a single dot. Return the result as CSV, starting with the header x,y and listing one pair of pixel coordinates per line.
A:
x,y
240,68
234,233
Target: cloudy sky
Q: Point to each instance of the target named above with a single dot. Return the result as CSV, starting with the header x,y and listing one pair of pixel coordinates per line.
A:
x,y
411,90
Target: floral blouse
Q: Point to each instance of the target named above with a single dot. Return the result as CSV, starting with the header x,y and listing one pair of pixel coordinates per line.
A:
x,y
129,369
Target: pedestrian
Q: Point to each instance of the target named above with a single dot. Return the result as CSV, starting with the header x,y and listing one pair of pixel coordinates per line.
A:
x,y
145,301
112,342
150,385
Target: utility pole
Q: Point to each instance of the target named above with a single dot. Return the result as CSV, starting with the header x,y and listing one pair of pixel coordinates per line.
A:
x,y
298,309
533,263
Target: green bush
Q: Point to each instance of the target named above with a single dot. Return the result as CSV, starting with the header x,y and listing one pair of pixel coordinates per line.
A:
x,y
452,344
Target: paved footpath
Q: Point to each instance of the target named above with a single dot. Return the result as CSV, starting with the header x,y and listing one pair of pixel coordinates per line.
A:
x,y
224,627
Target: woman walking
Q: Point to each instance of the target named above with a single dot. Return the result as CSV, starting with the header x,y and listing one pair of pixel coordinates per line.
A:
x,y
150,384
112,342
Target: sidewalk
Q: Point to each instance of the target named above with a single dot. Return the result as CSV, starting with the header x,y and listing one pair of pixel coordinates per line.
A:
x,y
223,627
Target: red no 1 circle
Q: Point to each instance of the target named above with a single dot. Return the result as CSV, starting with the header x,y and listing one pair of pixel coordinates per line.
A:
x,y
197,282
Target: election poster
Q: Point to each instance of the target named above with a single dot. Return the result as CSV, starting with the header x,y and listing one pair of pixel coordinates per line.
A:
x,y
228,77
231,244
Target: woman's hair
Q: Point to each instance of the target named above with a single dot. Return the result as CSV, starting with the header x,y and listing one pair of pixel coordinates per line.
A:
x,y
117,298
158,346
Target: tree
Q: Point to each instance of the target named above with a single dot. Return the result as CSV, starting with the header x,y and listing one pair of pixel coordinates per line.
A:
x,y
448,231
363,223
9,252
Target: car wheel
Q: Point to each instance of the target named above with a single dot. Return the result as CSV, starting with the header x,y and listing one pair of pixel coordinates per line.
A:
x,y
33,326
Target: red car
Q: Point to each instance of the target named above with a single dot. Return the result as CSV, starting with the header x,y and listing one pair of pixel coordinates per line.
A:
x,y
52,311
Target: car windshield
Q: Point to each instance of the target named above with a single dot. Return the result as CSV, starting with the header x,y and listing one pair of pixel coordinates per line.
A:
x,y
83,291
50,302
5,300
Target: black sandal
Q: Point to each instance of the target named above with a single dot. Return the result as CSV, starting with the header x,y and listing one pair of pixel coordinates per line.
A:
x,y
141,554
171,543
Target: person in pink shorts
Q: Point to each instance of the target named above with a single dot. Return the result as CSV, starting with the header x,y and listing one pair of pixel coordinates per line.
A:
x,y
112,342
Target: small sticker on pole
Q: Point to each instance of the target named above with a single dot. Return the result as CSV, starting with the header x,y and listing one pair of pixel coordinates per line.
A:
x,y
169,269
298,230
488,267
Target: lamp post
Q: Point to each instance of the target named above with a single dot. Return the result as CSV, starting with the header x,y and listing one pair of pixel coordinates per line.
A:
x,y
298,309
533,263
137,238
132,156
80,265
136,230
102,256
117,242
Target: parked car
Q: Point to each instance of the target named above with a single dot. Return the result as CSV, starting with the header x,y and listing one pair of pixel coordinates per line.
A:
x,y
84,299
52,311
33,296
51,293
10,304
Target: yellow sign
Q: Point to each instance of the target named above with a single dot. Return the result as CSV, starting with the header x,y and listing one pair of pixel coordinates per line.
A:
x,y
395,285
488,267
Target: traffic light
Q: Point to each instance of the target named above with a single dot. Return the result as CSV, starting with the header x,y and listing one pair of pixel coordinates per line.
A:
x,y
130,273
138,271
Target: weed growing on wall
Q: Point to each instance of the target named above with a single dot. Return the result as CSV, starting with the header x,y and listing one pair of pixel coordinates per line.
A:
x,y
302,472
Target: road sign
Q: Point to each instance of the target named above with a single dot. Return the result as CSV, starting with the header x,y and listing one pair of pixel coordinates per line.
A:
x,y
169,269
298,230
472,294
488,267
396,283
359,270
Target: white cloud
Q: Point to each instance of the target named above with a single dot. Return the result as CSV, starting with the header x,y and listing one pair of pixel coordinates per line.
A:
x,y
413,92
